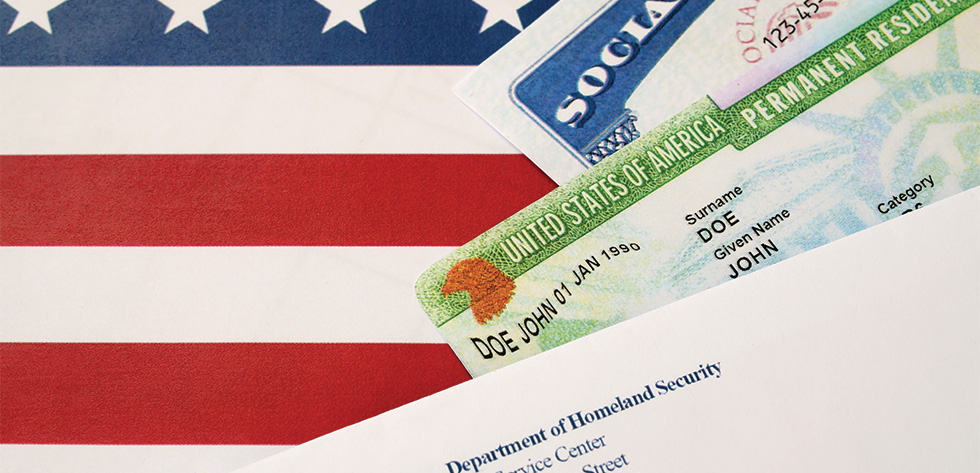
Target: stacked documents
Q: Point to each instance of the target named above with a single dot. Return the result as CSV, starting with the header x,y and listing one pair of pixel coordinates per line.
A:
x,y
593,75
699,143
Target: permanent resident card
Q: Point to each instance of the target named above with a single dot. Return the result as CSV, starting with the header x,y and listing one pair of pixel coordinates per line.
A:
x,y
871,116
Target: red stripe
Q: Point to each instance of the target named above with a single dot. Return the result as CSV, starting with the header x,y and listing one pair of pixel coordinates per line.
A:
x,y
259,200
208,393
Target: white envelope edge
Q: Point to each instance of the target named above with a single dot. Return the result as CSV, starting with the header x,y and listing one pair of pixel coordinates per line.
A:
x,y
861,355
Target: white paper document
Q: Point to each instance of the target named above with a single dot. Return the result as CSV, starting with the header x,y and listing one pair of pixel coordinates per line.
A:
x,y
862,355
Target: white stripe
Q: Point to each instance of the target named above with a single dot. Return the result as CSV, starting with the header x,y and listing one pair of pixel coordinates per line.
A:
x,y
149,110
130,458
192,294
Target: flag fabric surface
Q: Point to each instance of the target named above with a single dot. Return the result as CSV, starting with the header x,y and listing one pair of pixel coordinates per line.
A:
x,y
213,212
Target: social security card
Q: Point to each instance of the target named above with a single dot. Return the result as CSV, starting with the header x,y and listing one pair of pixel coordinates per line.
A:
x,y
591,76
872,116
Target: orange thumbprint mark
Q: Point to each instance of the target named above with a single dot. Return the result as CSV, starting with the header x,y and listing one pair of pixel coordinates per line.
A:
x,y
489,288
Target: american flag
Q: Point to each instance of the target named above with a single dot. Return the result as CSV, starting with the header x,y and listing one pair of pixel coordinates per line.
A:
x,y
213,212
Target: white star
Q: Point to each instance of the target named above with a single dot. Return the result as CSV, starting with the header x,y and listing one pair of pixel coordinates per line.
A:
x,y
502,10
188,11
345,10
32,11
